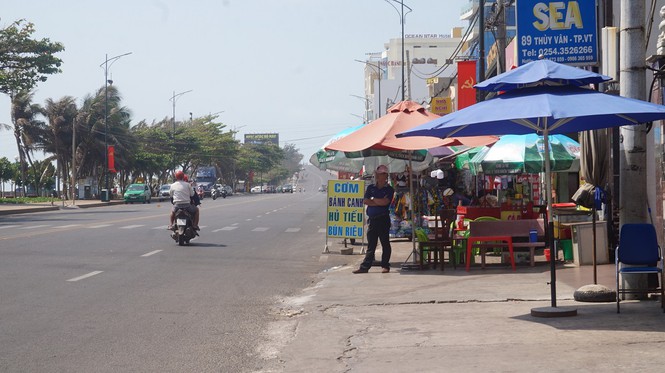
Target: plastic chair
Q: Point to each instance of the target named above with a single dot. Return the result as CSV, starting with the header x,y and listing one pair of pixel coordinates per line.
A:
x,y
638,248
426,247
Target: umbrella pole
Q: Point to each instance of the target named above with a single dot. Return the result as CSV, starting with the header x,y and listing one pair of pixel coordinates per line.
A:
x,y
414,253
593,256
550,220
552,311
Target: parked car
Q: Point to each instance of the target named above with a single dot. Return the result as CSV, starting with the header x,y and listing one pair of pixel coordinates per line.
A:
x,y
270,189
163,193
137,193
256,189
323,188
287,188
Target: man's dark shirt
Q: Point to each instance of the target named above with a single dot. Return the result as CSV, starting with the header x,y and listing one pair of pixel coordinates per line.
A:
x,y
385,192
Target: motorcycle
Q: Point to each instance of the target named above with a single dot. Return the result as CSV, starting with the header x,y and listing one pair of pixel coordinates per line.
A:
x,y
183,229
201,193
216,192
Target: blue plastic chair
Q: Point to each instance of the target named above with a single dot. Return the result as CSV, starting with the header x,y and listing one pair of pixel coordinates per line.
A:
x,y
638,248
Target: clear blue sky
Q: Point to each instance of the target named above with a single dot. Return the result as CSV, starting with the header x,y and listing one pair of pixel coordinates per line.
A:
x,y
283,66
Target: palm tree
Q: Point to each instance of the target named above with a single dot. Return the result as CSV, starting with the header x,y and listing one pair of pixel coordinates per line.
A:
x,y
57,140
27,130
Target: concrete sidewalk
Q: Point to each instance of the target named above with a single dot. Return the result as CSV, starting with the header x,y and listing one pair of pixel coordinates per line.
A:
x,y
458,321
57,204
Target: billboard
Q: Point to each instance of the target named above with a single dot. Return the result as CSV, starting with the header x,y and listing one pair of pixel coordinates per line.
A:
x,y
262,138
345,212
561,31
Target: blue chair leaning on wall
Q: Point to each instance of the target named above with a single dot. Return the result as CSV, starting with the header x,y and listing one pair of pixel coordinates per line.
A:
x,y
638,247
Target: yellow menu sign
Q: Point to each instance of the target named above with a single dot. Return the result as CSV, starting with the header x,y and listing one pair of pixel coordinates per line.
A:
x,y
345,213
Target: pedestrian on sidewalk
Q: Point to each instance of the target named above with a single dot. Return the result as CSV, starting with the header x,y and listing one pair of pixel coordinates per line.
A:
x,y
377,198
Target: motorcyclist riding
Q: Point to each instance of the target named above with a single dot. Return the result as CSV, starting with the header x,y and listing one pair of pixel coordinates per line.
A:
x,y
181,193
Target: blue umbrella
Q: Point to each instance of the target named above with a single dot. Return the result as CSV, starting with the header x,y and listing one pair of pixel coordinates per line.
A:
x,y
544,109
541,72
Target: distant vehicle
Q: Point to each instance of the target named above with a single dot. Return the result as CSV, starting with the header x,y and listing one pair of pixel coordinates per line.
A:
x,y
287,188
270,189
323,188
163,193
256,189
137,193
206,176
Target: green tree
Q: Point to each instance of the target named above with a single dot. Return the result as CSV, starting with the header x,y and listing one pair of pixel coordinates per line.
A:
x,y
7,172
24,62
57,134
28,131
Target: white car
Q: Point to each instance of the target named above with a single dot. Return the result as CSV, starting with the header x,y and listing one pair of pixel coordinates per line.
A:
x,y
256,189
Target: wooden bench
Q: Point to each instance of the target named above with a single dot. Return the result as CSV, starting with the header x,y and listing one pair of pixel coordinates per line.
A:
x,y
513,234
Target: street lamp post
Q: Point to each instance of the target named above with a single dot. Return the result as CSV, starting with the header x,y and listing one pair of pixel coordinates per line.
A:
x,y
174,98
401,20
378,69
105,64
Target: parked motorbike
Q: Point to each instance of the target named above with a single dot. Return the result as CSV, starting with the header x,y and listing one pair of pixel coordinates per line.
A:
x,y
183,229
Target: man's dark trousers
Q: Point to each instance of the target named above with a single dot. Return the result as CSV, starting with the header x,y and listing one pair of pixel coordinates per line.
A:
x,y
379,229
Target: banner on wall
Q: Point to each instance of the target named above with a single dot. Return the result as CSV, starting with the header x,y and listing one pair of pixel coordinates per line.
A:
x,y
466,79
345,212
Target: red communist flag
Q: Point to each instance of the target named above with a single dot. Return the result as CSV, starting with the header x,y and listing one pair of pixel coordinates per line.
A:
x,y
111,155
466,79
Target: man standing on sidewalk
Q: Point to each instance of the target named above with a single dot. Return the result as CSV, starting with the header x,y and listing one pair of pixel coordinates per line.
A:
x,y
377,198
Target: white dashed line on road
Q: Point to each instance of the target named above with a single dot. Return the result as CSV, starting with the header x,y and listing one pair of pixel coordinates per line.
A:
x,y
132,226
8,226
67,226
36,226
260,229
151,253
292,230
225,229
99,226
84,276
322,230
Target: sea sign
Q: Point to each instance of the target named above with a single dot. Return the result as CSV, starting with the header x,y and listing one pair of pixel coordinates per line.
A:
x,y
345,212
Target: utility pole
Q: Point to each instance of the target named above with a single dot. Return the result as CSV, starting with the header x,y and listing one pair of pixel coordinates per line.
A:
x,y
481,47
632,76
632,148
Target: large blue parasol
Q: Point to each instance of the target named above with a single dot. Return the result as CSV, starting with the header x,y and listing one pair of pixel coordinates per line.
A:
x,y
544,107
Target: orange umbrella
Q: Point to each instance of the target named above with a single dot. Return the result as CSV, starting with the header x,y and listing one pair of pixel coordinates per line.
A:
x,y
405,115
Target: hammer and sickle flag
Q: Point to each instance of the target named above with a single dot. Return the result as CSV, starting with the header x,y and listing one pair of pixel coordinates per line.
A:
x,y
111,158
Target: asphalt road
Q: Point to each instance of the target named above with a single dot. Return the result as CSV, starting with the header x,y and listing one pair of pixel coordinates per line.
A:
x,y
106,289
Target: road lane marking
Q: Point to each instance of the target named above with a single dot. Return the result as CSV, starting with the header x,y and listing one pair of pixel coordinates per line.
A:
x,y
36,226
8,226
151,253
66,226
260,229
225,229
131,226
234,224
161,227
99,226
84,276
322,230
292,230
